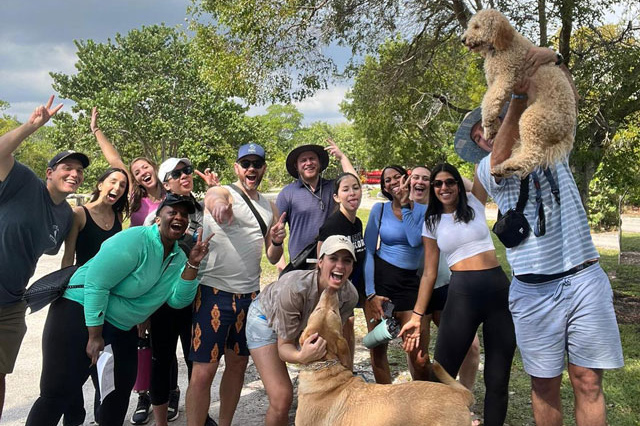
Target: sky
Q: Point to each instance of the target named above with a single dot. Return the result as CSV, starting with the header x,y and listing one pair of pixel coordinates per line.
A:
x,y
36,37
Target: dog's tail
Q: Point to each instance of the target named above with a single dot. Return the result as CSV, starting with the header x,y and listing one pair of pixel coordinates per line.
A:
x,y
446,379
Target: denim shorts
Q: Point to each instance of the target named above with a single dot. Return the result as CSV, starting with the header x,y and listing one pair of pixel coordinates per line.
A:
x,y
258,331
573,315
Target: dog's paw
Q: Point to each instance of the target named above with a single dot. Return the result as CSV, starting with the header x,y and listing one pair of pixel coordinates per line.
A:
x,y
504,172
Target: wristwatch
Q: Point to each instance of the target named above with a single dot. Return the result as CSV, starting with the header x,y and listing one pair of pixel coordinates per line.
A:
x,y
559,58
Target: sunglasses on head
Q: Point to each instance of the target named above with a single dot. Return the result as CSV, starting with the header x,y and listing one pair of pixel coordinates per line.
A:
x,y
175,174
447,182
256,164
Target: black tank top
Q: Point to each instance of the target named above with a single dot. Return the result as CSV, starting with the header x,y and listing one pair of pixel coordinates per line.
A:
x,y
91,237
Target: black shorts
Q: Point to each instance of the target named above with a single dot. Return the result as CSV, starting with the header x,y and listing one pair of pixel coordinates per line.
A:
x,y
398,284
438,299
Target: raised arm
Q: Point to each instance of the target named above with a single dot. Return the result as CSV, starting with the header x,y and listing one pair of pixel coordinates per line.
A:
x,y
108,150
10,141
345,164
218,202
509,131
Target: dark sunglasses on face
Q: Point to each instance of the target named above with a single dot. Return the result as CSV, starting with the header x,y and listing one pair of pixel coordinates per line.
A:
x,y
447,182
256,164
175,174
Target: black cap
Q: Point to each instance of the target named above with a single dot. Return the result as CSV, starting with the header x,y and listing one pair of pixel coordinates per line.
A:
x,y
83,159
292,158
172,199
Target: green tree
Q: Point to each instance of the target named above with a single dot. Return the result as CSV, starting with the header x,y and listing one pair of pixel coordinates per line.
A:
x,y
152,101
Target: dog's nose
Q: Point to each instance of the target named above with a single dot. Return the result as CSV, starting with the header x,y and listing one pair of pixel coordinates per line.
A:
x,y
463,39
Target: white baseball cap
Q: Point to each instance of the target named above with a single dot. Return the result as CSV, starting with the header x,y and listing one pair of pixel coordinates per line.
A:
x,y
336,243
168,165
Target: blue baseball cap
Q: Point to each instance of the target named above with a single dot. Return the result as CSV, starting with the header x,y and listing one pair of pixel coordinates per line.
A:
x,y
251,149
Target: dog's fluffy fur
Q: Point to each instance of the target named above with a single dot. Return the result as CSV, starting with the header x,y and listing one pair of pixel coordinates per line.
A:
x,y
329,394
547,125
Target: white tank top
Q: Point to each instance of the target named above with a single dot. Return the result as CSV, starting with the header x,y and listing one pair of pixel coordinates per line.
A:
x,y
459,240
233,262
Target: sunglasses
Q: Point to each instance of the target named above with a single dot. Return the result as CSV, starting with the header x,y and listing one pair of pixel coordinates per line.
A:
x,y
256,164
175,174
447,182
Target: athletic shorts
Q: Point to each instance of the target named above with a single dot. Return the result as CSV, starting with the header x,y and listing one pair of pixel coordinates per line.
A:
x,y
438,299
571,316
12,330
218,323
398,284
258,331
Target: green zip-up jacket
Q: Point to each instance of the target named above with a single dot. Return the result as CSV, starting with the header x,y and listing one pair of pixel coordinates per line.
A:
x,y
128,279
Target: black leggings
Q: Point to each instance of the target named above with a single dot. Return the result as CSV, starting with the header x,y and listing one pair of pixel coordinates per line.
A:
x,y
480,297
65,366
167,324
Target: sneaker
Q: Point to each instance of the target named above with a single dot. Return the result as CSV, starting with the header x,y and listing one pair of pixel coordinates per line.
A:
x,y
174,400
210,421
143,409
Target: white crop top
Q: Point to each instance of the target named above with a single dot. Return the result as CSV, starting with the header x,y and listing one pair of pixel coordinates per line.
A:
x,y
459,240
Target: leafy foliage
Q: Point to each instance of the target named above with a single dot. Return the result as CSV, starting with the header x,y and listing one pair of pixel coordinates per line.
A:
x,y
151,100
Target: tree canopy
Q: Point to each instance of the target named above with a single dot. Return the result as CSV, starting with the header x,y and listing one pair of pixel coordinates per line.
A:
x,y
152,102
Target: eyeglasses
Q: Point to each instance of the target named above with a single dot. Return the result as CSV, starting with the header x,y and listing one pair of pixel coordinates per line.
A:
x,y
256,164
175,174
447,182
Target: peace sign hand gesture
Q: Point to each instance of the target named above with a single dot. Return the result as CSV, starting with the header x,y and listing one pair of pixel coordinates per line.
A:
x,y
43,113
200,249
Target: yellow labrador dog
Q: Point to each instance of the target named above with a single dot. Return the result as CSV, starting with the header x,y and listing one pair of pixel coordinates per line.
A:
x,y
329,394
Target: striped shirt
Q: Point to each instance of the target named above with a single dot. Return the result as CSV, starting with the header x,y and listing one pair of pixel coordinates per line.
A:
x,y
567,242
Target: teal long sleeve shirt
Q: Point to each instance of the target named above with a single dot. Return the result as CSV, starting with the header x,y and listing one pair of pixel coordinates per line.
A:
x,y
128,279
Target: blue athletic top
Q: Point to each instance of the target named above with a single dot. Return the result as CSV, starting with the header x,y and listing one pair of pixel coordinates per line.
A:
x,y
400,241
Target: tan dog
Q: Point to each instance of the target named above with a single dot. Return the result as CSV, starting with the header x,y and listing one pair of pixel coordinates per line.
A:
x,y
547,125
329,394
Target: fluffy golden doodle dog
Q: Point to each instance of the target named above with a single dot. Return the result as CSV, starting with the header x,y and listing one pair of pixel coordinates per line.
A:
x,y
329,394
547,125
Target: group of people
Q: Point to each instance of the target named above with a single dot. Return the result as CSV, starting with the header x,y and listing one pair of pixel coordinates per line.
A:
x,y
190,269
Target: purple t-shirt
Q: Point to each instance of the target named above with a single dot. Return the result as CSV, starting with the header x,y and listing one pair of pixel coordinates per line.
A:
x,y
306,211
146,207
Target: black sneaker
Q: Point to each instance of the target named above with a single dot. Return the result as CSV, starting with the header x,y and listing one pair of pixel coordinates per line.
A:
x,y
174,401
210,421
143,409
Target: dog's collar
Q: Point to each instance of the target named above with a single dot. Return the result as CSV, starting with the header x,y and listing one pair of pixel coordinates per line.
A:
x,y
320,365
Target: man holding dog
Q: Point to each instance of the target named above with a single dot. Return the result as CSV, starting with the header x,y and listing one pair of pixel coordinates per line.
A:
x,y
560,298
242,221
34,219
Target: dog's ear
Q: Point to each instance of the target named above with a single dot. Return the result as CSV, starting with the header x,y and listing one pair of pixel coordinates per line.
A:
x,y
344,353
504,33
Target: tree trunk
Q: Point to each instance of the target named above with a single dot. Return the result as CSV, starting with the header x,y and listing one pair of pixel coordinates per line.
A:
x,y
542,21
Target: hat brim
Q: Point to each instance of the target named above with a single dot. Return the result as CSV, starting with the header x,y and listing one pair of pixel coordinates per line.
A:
x,y
466,148
292,158
83,159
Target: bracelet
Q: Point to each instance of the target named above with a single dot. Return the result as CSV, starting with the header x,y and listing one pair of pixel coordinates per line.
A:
x,y
371,296
94,131
277,244
418,314
190,266
516,96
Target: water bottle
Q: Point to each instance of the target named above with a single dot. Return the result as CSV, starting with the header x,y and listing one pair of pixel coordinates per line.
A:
x,y
143,378
388,329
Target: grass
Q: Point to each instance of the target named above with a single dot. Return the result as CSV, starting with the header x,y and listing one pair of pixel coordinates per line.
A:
x,y
622,392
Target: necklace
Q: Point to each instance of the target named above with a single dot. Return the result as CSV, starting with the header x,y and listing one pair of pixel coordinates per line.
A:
x,y
319,198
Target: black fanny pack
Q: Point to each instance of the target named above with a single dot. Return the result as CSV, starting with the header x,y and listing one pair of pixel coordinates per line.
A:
x,y
512,228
